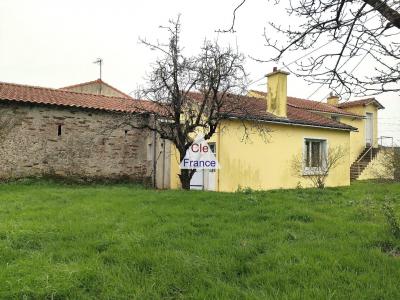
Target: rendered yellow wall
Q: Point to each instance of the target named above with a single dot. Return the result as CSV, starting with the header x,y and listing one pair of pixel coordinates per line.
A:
x,y
362,110
357,139
267,165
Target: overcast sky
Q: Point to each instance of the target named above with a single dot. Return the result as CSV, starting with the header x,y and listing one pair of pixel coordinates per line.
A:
x,y
53,43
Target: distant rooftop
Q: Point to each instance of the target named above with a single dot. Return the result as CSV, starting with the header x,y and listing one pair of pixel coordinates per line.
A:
x,y
97,87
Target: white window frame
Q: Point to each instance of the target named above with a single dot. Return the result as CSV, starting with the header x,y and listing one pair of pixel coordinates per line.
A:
x,y
213,144
323,151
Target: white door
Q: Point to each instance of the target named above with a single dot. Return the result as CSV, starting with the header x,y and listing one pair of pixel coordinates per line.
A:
x,y
369,129
210,175
204,179
197,181
209,180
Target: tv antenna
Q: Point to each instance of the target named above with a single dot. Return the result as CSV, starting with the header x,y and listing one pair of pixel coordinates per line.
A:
x,y
99,61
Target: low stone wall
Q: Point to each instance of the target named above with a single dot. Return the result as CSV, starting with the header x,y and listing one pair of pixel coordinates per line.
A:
x,y
40,140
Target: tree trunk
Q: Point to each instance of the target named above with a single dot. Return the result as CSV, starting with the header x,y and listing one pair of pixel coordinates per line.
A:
x,y
186,174
185,179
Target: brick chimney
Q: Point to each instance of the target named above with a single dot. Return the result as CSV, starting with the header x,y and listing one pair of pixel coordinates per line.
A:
x,y
333,99
277,92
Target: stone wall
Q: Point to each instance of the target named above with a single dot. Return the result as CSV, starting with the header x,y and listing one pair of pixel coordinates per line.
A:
x,y
40,140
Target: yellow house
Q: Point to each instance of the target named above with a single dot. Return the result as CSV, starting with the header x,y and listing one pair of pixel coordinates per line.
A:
x,y
291,127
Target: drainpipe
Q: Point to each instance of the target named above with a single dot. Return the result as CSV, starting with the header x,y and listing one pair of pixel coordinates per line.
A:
x,y
218,151
163,167
154,155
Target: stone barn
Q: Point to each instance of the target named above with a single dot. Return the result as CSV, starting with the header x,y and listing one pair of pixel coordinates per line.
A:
x,y
84,131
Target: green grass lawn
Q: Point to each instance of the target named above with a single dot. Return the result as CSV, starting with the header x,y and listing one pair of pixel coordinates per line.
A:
x,y
122,242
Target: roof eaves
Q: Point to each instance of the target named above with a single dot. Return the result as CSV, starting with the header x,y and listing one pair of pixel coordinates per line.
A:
x,y
291,122
64,105
328,112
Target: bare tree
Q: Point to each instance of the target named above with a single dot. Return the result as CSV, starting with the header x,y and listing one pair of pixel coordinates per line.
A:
x,y
192,94
388,166
316,169
353,29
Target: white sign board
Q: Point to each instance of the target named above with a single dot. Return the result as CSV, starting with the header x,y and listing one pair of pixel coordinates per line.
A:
x,y
199,156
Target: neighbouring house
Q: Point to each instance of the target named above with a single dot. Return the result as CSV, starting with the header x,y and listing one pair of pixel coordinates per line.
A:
x,y
296,127
78,131
97,87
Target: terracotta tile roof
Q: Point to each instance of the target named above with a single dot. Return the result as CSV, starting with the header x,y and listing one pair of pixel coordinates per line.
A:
x,y
250,107
363,102
33,94
255,108
314,105
98,81
318,106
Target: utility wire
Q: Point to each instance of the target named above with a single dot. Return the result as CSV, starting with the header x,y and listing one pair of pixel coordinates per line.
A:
x,y
305,55
257,80
316,91
285,66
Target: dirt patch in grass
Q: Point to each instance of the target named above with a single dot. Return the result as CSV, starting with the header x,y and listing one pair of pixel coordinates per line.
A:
x,y
388,247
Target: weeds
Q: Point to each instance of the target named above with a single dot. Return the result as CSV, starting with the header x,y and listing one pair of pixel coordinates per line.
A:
x,y
391,219
244,190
